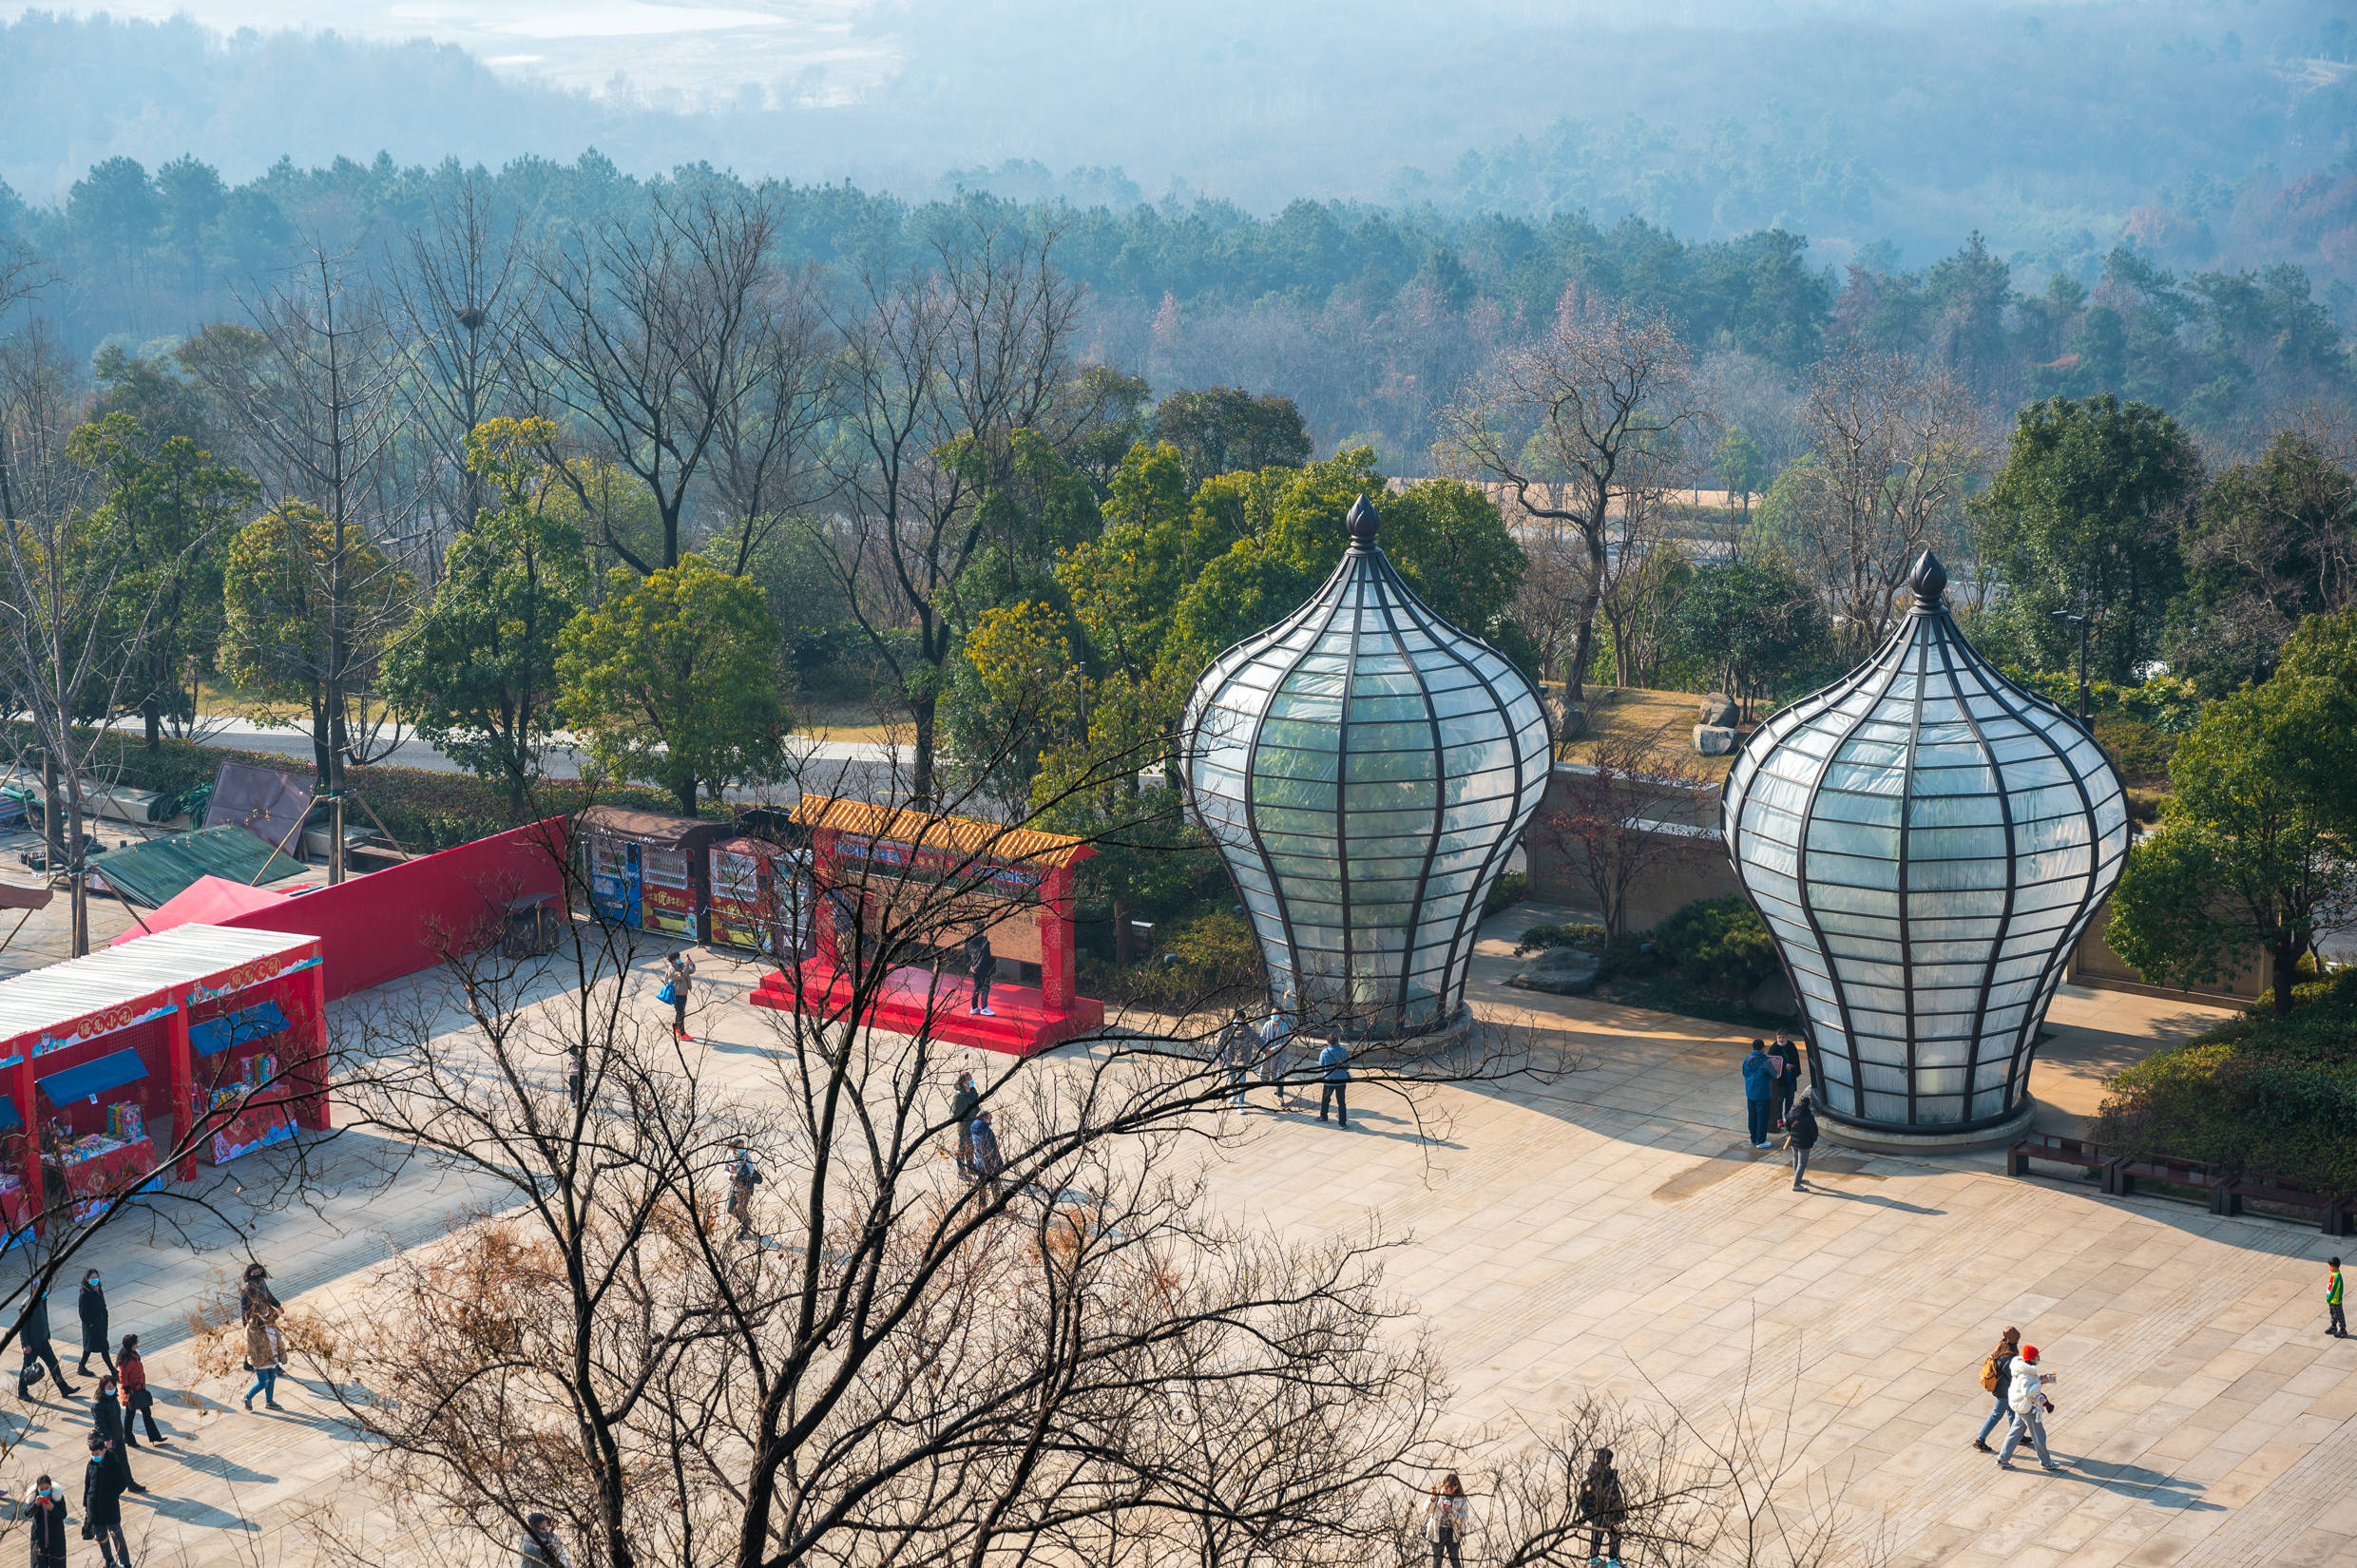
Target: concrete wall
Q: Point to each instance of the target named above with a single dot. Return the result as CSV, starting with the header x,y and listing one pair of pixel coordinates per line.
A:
x,y
1693,863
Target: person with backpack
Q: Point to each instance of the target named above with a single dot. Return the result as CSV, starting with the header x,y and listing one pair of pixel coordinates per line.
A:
x,y
1445,1515
539,1548
1759,1087
742,1178
1335,1061
1603,1506
988,1162
1997,1379
1276,1032
2025,1396
1800,1135
1788,1076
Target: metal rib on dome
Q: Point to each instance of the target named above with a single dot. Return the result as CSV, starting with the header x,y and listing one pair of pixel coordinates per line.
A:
x,y
1365,767
1927,842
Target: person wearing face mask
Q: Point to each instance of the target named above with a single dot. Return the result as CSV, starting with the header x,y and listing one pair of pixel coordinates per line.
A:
x,y
46,1511
93,1308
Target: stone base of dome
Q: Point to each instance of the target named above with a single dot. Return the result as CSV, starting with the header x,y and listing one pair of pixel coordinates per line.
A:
x,y
1894,1141
1463,1028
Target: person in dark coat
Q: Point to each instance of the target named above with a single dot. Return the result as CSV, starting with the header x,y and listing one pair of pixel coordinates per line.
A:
x,y
1604,1506
988,1162
982,965
539,1548
139,1402
46,1511
962,1108
101,1504
107,1422
32,1332
1800,1135
1788,1080
94,1338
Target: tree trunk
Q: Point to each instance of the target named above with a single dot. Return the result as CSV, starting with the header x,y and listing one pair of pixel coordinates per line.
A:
x,y
685,790
151,714
921,768
2287,972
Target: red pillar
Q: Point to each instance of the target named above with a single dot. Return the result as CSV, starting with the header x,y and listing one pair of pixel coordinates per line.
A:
x,y
313,1112
180,1064
1056,948
822,901
27,1104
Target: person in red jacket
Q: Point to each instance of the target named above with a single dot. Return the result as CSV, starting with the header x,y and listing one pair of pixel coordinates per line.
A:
x,y
137,1402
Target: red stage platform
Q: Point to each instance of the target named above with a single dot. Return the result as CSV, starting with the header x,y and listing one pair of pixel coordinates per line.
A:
x,y
915,1000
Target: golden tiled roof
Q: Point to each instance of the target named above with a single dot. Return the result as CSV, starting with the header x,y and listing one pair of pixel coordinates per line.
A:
x,y
959,834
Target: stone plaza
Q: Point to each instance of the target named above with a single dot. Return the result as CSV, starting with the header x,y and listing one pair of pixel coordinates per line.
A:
x,y
1601,1229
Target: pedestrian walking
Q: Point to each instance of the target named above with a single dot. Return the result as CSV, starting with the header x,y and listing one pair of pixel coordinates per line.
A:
x,y
1445,1515
962,1108
988,1162
1997,1380
258,1302
1788,1076
102,1506
32,1332
138,1402
1234,1054
539,1548
45,1511
1800,1135
679,971
1276,1032
2338,1325
742,1178
2026,1397
1335,1061
1758,1091
92,1307
983,966
1603,1506
107,1422
262,1358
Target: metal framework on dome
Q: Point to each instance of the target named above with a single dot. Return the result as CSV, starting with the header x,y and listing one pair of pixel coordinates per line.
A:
x,y
1926,841
1365,768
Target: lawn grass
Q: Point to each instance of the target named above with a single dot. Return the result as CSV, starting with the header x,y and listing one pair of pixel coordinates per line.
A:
x,y
1638,711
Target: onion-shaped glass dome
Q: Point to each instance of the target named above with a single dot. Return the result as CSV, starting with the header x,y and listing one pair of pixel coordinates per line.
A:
x,y
1365,768
1925,841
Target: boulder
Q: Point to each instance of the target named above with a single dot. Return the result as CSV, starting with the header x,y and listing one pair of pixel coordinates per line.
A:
x,y
1563,971
1713,739
1720,710
1569,719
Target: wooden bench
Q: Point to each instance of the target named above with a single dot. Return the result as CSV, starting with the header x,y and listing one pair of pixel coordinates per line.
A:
x,y
2178,1172
2056,1150
2295,1192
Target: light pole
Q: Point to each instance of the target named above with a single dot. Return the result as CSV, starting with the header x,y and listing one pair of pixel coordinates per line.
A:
x,y
2078,619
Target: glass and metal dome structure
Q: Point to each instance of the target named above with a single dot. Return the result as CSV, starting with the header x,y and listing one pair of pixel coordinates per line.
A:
x,y
1365,768
1926,841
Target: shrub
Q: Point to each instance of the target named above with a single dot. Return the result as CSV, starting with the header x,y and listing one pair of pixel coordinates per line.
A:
x,y
1718,943
1538,939
2139,752
1511,890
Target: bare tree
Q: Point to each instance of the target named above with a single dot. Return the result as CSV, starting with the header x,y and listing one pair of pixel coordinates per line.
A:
x,y
943,364
1607,829
313,390
464,300
1596,404
1894,446
652,335
767,461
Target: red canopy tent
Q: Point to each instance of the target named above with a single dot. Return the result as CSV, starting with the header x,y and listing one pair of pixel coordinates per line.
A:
x,y
208,901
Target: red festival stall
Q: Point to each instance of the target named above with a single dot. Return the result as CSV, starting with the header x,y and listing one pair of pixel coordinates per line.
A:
x,y
873,865
104,1059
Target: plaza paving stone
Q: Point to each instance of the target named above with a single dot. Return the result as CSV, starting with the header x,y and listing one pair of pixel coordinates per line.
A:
x,y
1605,1229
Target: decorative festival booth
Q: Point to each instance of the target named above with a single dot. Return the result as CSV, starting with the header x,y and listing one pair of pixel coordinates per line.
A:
x,y
102,1057
872,867
647,871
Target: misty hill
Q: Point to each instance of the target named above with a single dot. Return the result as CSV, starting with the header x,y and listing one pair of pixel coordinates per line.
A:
x,y
2210,132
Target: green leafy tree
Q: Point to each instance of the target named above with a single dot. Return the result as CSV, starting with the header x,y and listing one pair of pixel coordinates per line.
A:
x,y
2255,849
168,507
308,608
2270,542
2084,517
1227,430
1742,466
477,673
674,678
1753,620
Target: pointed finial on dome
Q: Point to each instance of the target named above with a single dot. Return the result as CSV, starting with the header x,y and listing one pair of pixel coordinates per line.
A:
x,y
1362,524
1930,579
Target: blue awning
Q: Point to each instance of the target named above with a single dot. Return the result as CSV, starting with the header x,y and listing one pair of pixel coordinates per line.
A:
x,y
9,1114
93,1078
243,1027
